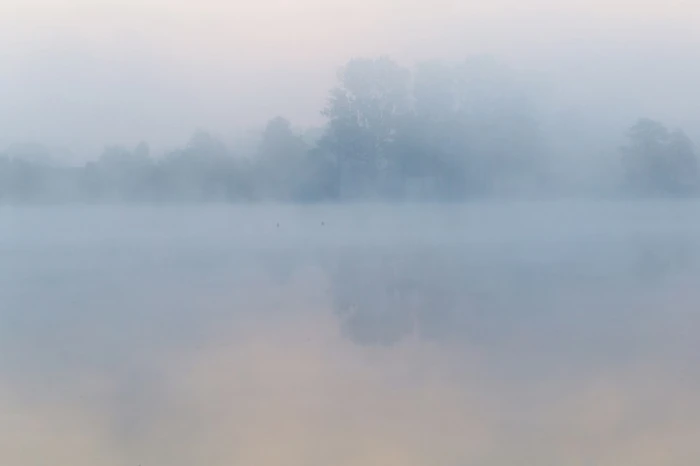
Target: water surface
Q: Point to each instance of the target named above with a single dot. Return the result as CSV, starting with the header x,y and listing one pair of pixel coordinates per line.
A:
x,y
548,333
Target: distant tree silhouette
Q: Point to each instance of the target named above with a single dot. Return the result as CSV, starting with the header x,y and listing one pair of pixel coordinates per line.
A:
x,y
280,162
438,131
363,112
658,161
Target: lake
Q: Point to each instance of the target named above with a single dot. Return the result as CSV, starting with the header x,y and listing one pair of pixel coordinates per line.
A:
x,y
493,333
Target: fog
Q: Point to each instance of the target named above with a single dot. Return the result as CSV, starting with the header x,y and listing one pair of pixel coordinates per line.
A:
x,y
358,233
80,75
488,334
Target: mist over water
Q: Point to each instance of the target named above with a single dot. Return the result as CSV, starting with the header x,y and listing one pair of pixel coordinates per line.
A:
x,y
349,232
492,333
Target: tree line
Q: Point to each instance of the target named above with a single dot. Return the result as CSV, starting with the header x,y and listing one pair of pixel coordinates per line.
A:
x,y
437,132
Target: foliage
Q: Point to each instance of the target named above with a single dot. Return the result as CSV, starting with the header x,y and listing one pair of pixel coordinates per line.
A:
x,y
658,161
438,132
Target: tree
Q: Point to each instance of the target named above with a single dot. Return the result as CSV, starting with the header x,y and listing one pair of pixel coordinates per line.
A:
x,y
363,112
431,145
322,177
204,170
683,163
5,177
37,154
472,131
499,126
659,162
280,161
120,174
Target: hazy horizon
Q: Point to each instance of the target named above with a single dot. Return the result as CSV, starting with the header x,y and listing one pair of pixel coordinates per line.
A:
x,y
82,75
349,233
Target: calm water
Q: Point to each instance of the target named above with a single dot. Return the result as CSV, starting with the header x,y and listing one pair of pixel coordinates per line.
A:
x,y
385,335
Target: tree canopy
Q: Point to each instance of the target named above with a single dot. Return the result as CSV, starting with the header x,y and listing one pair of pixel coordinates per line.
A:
x,y
658,161
438,132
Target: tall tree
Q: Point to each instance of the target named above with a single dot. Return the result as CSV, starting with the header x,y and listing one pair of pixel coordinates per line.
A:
x,y
658,161
363,112
280,161
431,142
472,131
500,128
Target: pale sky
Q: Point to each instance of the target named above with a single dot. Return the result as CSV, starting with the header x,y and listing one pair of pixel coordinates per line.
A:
x,y
83,73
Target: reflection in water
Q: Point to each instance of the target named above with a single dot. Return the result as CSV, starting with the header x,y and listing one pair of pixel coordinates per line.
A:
x,y
180,338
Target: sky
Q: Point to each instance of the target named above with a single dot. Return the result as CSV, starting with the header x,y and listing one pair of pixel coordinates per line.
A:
x,y
80,74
